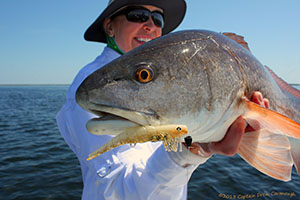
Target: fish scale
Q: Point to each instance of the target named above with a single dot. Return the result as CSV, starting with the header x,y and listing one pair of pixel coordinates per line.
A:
x,y
201,79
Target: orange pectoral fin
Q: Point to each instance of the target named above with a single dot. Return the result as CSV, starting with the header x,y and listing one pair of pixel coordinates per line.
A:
x,y
259,117
267,152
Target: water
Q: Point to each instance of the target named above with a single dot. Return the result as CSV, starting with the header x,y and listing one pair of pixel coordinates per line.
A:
x,y
35,162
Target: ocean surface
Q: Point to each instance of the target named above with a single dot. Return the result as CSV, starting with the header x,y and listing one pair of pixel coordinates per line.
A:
x,y
35,162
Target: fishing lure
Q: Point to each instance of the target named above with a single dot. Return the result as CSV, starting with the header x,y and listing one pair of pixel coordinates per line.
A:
x,y
170,135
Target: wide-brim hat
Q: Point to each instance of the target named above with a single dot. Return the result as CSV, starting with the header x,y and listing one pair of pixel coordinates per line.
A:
x,y
174,11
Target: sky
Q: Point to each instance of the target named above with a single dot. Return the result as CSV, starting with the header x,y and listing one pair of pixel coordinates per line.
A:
x,y
42,40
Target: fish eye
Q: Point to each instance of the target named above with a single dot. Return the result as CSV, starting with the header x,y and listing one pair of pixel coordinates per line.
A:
x,y
144,74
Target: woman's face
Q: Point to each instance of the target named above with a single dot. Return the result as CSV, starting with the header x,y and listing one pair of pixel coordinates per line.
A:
x,y
129,35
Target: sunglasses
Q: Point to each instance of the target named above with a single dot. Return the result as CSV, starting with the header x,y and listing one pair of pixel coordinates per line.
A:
x,y
141,15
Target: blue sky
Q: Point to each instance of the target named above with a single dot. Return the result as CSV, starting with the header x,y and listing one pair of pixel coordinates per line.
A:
x,y
42,40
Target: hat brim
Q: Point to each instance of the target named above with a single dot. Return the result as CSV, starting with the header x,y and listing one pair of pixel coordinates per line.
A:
x,y
174,12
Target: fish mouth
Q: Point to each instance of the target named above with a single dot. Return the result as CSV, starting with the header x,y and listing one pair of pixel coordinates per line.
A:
x,y
141,118
113,120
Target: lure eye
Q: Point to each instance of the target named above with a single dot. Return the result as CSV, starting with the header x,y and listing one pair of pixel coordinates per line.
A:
x,y
144,74
178,129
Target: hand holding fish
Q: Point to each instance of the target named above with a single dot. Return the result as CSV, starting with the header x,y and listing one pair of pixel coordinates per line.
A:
x,y
203,80
229,145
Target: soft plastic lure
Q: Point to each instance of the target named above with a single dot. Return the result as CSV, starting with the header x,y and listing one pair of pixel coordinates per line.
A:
x,y
169,134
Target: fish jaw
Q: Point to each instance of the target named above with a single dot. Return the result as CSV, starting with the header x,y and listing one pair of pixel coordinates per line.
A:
x,y
113,120
109,125
140,118
83,98
205,126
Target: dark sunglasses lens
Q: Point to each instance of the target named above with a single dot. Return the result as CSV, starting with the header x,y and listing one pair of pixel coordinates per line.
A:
x,y
138,15
158,19
141,15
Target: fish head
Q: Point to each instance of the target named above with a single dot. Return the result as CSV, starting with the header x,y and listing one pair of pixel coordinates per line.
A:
x,y
172,79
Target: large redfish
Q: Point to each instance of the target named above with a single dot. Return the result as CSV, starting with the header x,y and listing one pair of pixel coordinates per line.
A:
x,y
201,79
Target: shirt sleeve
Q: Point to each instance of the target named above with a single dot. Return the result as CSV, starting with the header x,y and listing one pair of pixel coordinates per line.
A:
x,y
138,173
145,171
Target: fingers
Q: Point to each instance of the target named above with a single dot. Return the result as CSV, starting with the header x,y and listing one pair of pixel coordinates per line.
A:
x,y
199,149
194,148
266,103
230,143
257,98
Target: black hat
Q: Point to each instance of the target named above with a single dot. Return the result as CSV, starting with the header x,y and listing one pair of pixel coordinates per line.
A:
x,y
174,11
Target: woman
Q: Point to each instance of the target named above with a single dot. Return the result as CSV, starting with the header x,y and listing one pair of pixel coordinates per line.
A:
x,y
146,171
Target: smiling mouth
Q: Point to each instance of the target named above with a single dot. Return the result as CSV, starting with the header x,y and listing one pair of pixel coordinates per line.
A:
x,y
143,39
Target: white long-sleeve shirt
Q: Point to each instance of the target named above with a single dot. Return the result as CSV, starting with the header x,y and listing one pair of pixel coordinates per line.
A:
x,y
145,171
